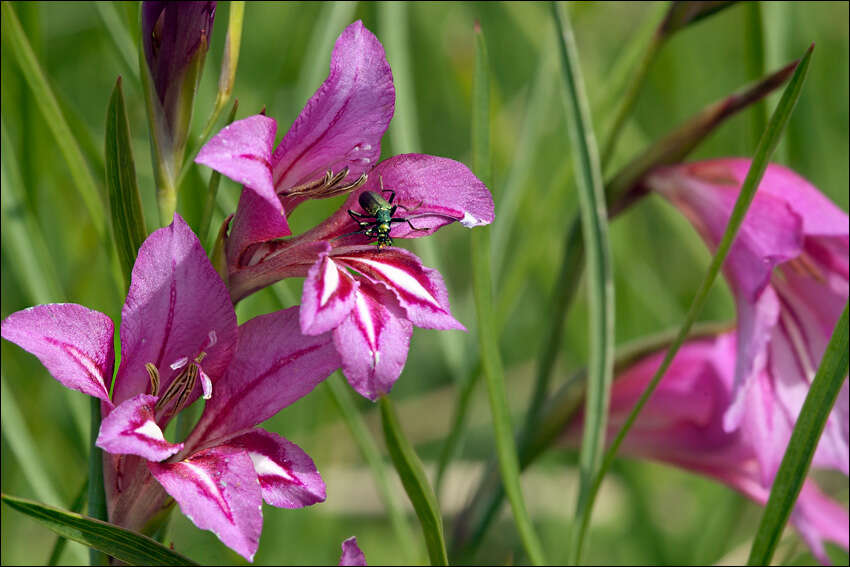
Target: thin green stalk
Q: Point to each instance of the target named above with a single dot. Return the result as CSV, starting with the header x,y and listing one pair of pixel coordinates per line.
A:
x,y
756,65
342,397
96,494
229,63
629,98
597,249
767,145
451,445
122,41
804,440
43,95
415,483
487,332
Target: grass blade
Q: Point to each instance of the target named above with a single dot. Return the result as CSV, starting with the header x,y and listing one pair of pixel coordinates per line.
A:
x,y
342,397
600,283
415,483
127,546
44,97
801,448
767,145
125,203
120,36
334,17
487,331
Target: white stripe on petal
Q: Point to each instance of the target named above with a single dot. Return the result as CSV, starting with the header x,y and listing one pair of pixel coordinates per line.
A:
x,y
212,488
401,279
330,281
267,467
150,430
365,317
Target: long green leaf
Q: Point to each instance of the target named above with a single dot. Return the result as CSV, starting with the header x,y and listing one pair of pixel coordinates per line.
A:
x,y
597,249
487,332
343,398
76,506
804,440
120,36
748,190
125,203
127,546
43,95
415,483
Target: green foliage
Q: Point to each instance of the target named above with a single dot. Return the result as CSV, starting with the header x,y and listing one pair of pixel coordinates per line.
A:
x,y
283,57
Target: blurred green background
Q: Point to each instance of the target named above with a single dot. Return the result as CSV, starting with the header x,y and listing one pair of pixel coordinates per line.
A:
x,y
647,513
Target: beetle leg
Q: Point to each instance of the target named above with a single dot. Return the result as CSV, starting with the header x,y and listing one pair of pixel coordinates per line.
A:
x,y
408,224
356,216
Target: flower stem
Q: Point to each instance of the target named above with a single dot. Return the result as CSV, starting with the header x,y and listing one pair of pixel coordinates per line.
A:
x,y
415,483
97,497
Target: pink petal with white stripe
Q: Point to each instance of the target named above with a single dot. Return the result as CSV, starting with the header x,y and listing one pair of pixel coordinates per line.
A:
x,y
328,296
373,341
73,342
351,554
218,490
420,290
131,429
288,476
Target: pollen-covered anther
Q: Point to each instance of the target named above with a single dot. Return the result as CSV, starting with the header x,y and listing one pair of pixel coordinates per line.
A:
x,y
329,185
154,376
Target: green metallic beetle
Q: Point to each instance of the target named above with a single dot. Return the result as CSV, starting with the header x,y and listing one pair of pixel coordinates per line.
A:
x,y
379,216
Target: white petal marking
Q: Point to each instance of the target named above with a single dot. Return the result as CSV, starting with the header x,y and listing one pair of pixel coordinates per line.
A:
x,y
264,466
469,221
365,317
401,279
150,430
330,281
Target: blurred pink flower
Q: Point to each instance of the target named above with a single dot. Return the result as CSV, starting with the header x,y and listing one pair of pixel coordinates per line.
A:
x,y
788,271
351,554
682,424
179,340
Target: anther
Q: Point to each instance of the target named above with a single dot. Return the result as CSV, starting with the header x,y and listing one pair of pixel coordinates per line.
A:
x,y
154,376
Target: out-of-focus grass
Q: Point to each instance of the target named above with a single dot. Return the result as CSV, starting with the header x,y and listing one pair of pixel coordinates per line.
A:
x,y
647,513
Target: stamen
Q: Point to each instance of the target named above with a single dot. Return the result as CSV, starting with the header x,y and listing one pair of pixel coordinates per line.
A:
x,y
180,363
154,376
328,186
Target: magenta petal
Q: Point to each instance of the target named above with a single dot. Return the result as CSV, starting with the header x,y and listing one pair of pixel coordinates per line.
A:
x,y
218,490
328,296
288,476
242,151
420,291
373,341
430,191
176,300
342,124
772,232
256,220
131,429
820,519
274,366
351,554
73,342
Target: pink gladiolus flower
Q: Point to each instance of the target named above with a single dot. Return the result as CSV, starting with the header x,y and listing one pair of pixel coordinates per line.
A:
x,y
370,299
683,424
351,554
788,270
179,341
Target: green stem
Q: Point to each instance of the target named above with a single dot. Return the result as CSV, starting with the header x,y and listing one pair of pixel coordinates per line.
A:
x,y
342,397
96,495
415,483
